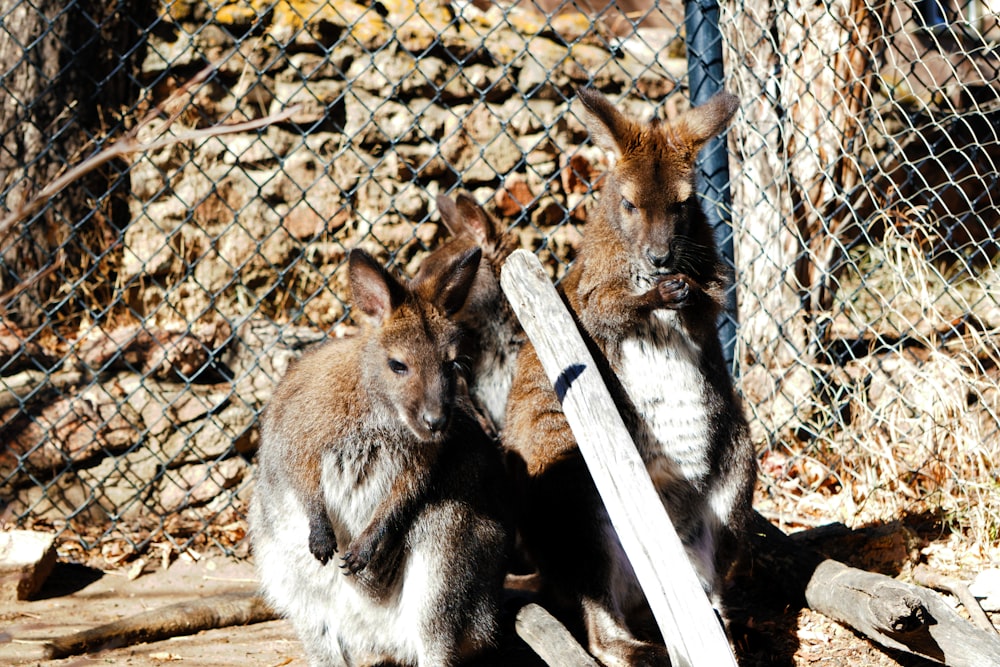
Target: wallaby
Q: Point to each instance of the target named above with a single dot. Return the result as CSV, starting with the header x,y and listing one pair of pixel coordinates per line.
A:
x,y
646,289
493,334
364,450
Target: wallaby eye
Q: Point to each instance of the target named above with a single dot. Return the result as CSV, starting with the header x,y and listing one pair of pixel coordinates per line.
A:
x,y
398,367
628,206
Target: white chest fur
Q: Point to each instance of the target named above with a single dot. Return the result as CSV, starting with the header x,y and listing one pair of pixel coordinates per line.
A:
x,y
354,486
659,371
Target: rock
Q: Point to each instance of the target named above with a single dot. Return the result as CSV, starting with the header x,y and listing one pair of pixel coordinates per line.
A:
x,y
26,559
986,587
514,197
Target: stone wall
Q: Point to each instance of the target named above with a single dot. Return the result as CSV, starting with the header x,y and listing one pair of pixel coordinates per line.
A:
x,y
232,262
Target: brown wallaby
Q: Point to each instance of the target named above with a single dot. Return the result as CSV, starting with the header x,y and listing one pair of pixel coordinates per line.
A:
x,y
364,450
646,289
493,334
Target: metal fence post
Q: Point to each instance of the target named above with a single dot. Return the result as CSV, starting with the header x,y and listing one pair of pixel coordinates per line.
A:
x,y
705,78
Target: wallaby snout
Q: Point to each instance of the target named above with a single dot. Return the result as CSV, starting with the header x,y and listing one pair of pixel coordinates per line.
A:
x,y
436,420
432,392
659,257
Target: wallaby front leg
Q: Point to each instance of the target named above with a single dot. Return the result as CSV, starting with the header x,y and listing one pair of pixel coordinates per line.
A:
x,y
322,539
375,547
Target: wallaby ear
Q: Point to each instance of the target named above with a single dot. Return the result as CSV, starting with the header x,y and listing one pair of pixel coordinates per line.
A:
x,y
374,291
452,284
480,223
608,127
465,216
701,123
449,215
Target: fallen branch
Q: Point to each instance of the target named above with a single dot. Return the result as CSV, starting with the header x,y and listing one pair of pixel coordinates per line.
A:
x,y
550,639
184,618
893,613
925,576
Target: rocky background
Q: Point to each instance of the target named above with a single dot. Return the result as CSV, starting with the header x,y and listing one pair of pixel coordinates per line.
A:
x,y
144,415
865,240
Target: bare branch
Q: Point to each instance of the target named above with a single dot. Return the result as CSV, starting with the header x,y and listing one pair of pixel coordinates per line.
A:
x,y
925,576
125,146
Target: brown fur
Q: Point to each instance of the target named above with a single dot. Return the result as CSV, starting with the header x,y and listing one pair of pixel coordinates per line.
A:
x,y
648,281
364,445
493,336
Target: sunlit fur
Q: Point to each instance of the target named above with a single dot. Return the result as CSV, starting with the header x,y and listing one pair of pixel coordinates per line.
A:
x,y
646,289
377,520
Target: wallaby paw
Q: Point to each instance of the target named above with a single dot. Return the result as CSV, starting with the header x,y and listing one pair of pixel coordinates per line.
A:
x,y
322,543
633,653
359,554
650,655
675,291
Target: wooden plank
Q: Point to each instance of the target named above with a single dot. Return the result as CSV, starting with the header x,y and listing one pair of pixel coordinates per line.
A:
x,y
691,630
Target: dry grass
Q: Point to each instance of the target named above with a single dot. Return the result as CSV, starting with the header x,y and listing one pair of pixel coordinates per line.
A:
x,y
907,422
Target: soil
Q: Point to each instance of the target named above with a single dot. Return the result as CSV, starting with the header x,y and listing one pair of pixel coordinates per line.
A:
x,y
766,632
76,597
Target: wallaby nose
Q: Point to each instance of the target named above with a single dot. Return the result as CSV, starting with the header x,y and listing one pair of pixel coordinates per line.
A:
x,y
436,421
660,261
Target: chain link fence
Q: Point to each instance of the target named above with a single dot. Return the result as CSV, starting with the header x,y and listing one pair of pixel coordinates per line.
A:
x,y
221,159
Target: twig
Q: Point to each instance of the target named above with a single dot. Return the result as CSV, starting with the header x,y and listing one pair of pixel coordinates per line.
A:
x,y
925,576
125,146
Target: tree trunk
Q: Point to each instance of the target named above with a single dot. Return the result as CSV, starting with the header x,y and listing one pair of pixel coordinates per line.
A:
x,y
65,77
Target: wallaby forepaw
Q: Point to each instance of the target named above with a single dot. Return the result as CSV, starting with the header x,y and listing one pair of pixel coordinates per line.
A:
x,y
359,555
351,563
650,655
322,543
675,291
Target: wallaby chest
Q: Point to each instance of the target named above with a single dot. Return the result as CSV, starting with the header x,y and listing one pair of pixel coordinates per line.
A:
x,y
358,475
659,370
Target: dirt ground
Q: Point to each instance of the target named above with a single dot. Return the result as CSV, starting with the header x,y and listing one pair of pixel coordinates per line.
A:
x,y
76,597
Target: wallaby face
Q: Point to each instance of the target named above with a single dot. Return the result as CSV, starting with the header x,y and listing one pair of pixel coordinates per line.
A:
x,y
413,347
649,197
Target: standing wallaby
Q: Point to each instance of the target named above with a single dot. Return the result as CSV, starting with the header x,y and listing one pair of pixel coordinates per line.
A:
x,y
364,450
646,290
493,334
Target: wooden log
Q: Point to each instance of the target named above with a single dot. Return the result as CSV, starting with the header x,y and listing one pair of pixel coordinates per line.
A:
x,y
183,618
900,616
893,613
691,631
550,639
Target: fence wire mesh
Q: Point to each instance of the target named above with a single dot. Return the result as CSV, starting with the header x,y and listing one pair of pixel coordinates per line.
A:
x,y
227,155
